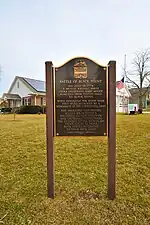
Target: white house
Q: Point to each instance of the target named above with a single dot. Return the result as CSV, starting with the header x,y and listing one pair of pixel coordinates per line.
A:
x,y
122,99
25,91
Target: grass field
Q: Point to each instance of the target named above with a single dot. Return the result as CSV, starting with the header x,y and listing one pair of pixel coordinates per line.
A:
x,y
80,175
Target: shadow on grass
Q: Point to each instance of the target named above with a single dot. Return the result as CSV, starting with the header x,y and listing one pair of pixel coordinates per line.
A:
x,y
86,195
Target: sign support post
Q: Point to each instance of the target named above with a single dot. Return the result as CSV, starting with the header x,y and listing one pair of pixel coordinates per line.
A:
x,y
112,130
49,128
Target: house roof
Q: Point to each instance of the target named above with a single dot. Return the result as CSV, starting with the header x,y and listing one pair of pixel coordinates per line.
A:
x,y
135,91
38,85
11,96
33,84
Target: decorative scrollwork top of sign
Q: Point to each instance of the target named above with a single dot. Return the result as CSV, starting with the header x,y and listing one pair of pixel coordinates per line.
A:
x,y
80,70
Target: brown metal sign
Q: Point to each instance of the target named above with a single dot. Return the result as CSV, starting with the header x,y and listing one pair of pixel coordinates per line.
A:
x,y
81,99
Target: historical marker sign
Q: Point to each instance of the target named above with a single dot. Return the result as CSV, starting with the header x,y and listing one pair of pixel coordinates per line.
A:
x,y
76,105
81,99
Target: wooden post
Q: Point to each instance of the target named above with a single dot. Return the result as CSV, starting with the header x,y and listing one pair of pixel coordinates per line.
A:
x,y
49,128
112,130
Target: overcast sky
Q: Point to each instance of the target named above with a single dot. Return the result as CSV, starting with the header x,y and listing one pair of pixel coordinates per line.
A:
x,y
35,31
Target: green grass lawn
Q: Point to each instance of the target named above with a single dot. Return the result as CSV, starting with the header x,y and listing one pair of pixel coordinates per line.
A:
x,y
80,173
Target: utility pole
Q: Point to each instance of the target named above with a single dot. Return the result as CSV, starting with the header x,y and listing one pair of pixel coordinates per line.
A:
x,y
0,72
125,72
125,67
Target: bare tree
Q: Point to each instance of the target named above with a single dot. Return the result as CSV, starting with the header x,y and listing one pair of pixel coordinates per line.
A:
x,y
140,77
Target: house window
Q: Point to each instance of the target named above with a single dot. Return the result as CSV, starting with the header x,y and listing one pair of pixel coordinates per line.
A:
x,y
26,101
18,84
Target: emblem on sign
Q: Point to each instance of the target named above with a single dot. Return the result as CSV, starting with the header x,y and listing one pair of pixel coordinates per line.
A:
x,y
80,70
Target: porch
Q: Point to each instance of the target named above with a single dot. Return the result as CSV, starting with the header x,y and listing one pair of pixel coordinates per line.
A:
x,y
34,99
11,100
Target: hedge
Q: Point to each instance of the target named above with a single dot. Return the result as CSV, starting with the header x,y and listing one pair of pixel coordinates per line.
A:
x,y
31,109
6,110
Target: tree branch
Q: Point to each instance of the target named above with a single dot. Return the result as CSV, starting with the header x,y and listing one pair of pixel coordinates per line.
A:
x,y
147,88
148,80
133,82
146,74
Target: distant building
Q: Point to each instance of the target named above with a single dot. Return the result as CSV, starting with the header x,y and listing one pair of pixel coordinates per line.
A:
x,y
135,97
122,98
26,91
